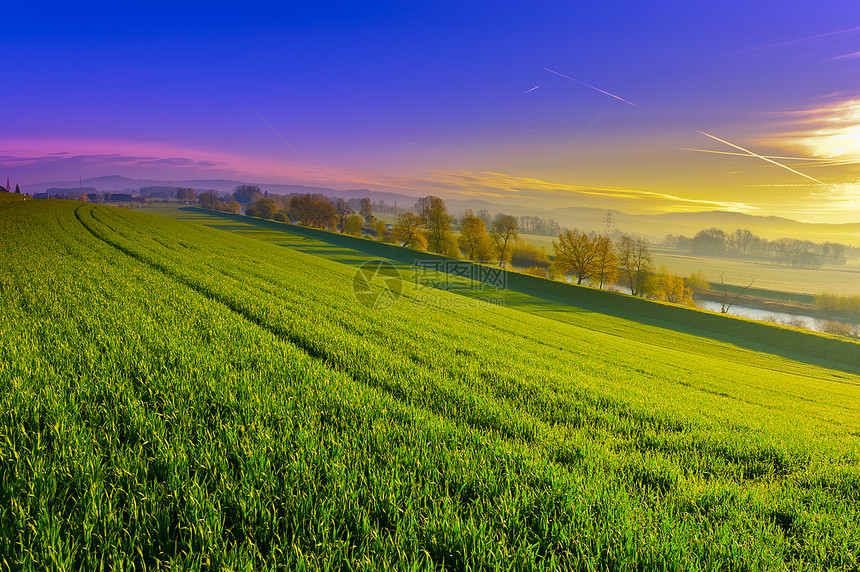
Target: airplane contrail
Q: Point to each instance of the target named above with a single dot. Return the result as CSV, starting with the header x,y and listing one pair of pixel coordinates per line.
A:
x,y
752,154
799,40
290,145
811,159
807,161
530,90
564,148
592,87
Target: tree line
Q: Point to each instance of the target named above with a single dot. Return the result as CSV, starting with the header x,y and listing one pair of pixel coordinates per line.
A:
x,y
842,304
590,258
314,210
537,225
597,259
743,243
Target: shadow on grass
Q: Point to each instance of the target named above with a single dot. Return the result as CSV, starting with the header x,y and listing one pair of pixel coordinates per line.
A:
x,y
828,352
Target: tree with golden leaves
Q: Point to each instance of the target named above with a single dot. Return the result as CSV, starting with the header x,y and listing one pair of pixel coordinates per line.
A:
x,y
408,231
474,240
576,252
671,288
434,215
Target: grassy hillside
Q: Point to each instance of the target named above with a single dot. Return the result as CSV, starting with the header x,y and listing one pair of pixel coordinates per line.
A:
x,y
10,197
548,298
171,393
773,280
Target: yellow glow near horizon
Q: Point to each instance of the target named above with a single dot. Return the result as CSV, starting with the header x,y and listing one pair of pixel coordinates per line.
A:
x,y
834,131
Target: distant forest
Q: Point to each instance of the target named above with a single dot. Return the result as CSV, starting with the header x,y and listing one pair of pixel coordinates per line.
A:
x,y
742,243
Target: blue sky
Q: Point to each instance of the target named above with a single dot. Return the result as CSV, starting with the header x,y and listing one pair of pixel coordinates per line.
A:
x,y
434,96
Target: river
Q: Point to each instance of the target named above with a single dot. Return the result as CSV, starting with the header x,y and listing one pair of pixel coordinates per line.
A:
x,y
809,322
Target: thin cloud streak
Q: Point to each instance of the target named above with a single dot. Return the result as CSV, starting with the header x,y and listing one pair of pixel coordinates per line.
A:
x,y
808,161
830,131
851,56
562,149
31,159
531,192
293,149
799,40
816,159
752,154
592,87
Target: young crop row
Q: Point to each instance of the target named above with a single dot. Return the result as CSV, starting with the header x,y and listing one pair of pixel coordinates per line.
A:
x,y
177,393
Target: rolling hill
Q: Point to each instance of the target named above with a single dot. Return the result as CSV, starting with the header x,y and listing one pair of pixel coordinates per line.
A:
x,y
178,394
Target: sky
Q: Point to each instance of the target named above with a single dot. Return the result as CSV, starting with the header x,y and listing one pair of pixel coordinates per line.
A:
x,y
644,107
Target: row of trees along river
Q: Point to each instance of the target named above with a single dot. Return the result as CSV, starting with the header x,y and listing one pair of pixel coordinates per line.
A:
x,y
614,261
586,258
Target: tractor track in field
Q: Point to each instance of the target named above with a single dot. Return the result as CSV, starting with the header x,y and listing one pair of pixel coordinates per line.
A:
x,y
476,421
438,395
210,295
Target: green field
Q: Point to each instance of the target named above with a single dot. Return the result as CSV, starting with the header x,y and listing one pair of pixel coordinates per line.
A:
x,y
176,395
10,197
771,281
843,280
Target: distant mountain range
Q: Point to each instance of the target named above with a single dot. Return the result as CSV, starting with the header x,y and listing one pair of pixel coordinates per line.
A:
x,y
116,183
768,226
655,227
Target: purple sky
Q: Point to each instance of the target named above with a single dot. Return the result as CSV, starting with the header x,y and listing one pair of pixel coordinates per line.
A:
x,y
450,97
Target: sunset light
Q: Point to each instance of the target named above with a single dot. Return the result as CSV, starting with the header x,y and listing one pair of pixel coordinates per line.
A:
x,y
413,285
834,131
583,100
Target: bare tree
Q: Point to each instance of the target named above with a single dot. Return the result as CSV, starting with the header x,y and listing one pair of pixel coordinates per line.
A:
x,y
437,221
725,305
365,208
605,259
634,263
504,233
343,211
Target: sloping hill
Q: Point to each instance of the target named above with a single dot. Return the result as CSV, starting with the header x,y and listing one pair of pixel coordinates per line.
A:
x,y
547,297
10,197
173,393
